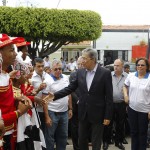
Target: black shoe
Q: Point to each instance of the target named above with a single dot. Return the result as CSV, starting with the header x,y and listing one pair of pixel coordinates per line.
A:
x,y
124,141
120,146
105,146
147,145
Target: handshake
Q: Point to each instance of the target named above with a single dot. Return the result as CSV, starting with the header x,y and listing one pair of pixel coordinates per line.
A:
x,y
47,97
24,103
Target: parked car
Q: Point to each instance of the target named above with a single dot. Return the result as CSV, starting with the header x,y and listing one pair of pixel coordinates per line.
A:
x,y
110,67
132,67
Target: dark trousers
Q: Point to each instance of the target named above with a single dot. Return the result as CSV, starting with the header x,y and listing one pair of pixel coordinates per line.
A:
x,y
97,134
42,121
138,126
119,114
7,142
74,130
108,133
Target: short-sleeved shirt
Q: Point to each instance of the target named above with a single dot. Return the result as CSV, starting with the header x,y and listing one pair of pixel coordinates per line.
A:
x,y
61,105
118,84
139,92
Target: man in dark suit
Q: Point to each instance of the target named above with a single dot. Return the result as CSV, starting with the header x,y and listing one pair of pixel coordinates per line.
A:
x,y
95,102
75,97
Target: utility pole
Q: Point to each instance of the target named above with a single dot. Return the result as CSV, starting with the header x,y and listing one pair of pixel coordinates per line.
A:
x,y
94,44
4,2
58,3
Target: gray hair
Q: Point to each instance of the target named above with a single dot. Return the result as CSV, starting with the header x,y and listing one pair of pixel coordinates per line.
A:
x,y
56,61
92,53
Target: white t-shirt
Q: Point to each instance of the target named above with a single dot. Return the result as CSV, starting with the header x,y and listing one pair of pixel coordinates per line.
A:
x,y
71,66
139,92
60,105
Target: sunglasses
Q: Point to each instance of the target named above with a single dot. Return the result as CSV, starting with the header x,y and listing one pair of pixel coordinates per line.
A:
x,y
142,65
57,69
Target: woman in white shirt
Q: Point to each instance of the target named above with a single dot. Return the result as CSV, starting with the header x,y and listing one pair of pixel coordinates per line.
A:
x,y
137,94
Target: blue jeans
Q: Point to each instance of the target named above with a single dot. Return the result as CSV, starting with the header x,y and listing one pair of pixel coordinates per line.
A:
x,y
138,125
58,132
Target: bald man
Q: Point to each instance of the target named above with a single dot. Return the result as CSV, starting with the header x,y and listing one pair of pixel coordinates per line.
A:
x,y
119,106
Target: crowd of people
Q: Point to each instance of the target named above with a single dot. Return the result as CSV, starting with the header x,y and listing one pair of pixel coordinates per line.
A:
x,y
37,100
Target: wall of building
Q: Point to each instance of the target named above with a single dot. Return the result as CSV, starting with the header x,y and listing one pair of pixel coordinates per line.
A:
x,y
55,55
119,41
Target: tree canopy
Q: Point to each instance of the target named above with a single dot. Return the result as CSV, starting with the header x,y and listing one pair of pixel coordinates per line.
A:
x,y
49,29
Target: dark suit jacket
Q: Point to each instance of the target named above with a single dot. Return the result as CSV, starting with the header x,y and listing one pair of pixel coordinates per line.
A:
x,y
96,103
74,95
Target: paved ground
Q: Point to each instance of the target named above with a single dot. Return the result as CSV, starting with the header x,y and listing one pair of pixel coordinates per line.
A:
x,y
111,147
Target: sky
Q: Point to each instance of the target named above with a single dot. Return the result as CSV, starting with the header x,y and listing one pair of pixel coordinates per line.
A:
x,y
112,12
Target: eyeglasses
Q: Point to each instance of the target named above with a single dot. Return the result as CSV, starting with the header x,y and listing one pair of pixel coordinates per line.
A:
x,y
142,65
57,69
86,58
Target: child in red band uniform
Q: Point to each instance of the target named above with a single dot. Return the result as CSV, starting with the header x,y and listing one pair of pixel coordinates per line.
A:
x,y
7,102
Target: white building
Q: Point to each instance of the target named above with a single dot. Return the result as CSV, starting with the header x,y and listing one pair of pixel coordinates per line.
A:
x,y
117,41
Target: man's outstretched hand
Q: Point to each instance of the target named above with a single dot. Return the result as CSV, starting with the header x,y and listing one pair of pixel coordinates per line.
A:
x,y
106,122
48,98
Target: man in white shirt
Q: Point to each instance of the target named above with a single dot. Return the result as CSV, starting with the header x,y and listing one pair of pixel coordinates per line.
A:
x,y
39,84
71,65
47,62
57,113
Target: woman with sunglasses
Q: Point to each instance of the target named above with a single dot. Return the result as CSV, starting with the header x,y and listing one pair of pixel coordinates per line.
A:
x,y
137,94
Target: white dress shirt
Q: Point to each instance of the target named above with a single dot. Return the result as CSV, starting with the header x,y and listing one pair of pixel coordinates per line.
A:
x,y
90,76
36,80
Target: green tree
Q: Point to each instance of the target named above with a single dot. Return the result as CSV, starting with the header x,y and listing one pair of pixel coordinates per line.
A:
x,y
49,29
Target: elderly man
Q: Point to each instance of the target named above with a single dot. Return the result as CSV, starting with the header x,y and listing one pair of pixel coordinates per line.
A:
x,y
58,111
119,107
95,103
